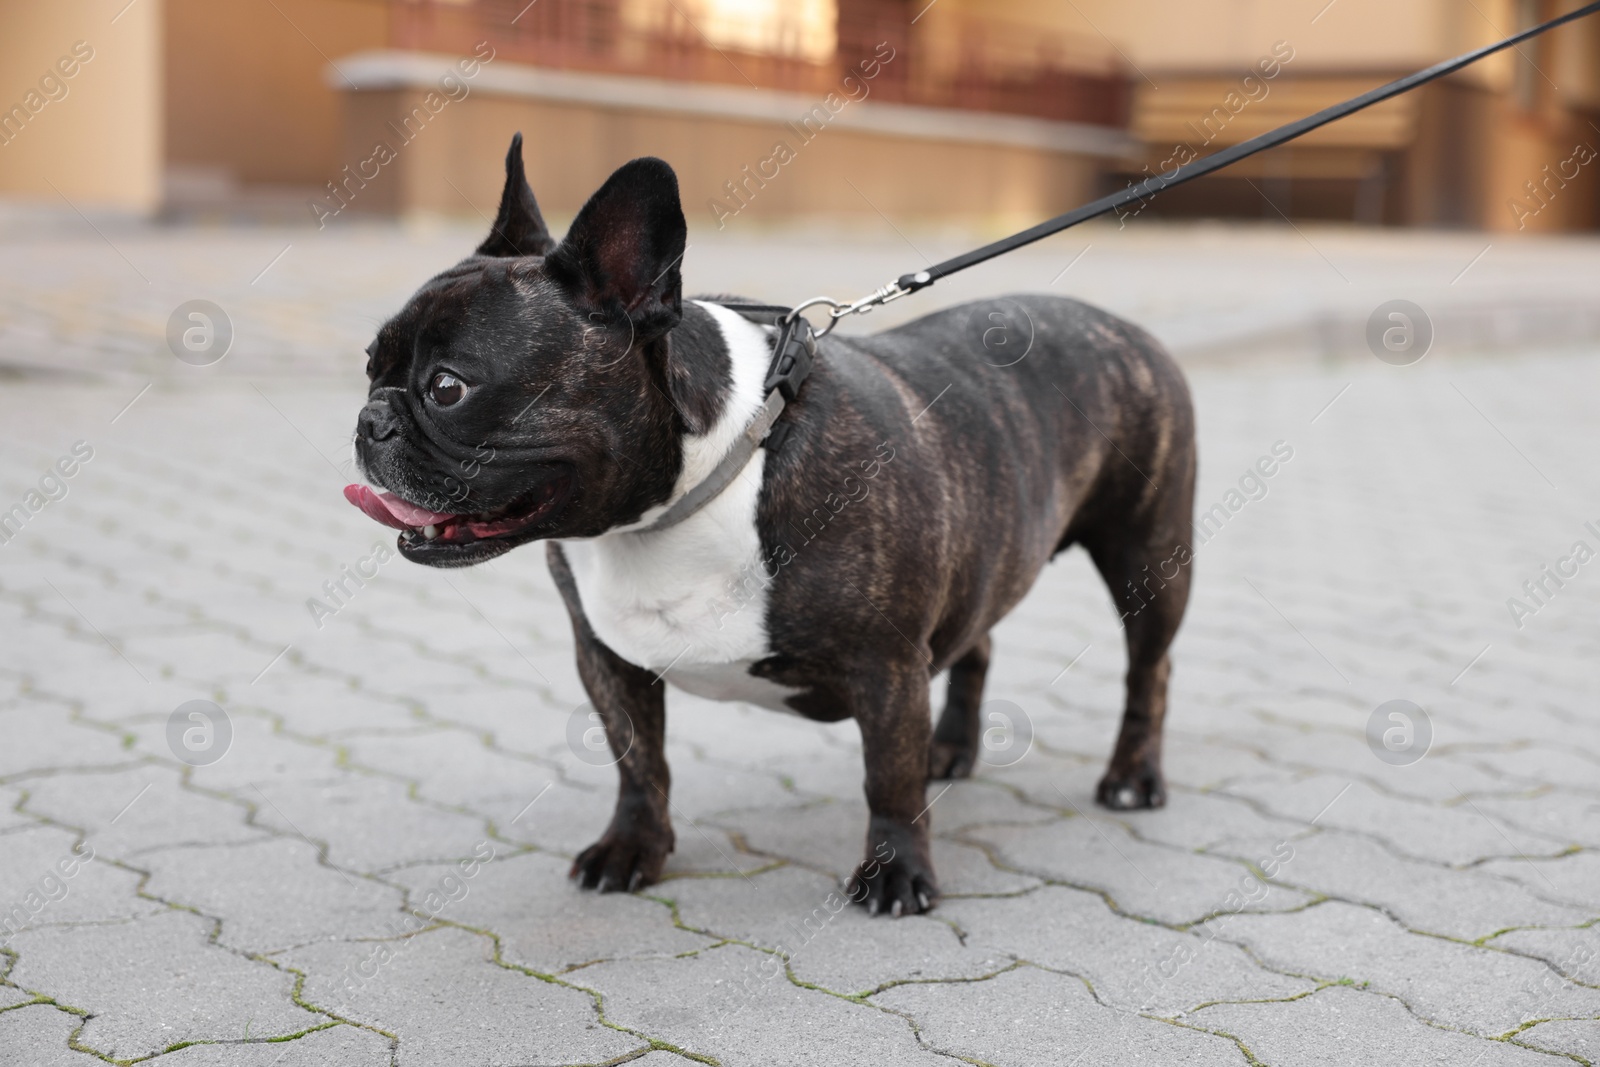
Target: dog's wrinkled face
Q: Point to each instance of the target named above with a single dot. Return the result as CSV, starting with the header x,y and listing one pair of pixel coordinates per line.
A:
x,y
523,393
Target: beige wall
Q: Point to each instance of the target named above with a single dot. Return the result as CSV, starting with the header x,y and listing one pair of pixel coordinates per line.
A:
x,y
99,145
1159,35
245,84
455,164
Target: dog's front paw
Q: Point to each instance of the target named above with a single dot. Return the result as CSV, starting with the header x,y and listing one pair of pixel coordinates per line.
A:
x,y
895,879
1128,789
619,862
948,759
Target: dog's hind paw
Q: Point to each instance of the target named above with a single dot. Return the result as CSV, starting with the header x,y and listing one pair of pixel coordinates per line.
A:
x,y
620,864
947,760
1130,791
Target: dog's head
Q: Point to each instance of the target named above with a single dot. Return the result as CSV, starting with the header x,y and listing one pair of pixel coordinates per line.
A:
x,y
528,391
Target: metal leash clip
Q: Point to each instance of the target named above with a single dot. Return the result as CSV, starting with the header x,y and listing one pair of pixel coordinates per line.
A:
x,y
904,286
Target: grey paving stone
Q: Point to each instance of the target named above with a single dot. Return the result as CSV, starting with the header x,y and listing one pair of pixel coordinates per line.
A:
x,y
1439,777
1573,953
543,920
1573,878
50,876
743,736
1132,966
1203,821
1205,763
127,813
1343,1027
1446,982
318,706
52,739
1576,1038
10,996
1555,815
701,788
1030,1016
736,1004
420,989
1462,904
368,823
152,982
829,941
825,836
965,870
565,819
455,767
260,756
37,1037
1548,764
337,1046
271,894
982,800
194,650
1150,881
1453,835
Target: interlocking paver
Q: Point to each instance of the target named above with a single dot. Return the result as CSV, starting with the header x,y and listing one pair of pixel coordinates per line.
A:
x,y
1576,1038
1479,990
827,942
544,922
51,739
153,982
273,893
425,722
337,1046
1454,835
128,812
40,1033
738,1002
1343,1027
1132,965
52,875
1147,881
443,997
1030,1016
1571,878
1466,905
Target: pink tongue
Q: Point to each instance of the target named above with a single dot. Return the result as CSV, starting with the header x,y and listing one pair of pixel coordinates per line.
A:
x,y
391,510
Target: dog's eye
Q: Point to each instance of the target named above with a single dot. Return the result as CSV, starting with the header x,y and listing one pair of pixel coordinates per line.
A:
x,y
447,389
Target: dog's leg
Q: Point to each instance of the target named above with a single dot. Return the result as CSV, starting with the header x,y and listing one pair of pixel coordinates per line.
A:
x,y
956,738
1152,607
632,706
891,707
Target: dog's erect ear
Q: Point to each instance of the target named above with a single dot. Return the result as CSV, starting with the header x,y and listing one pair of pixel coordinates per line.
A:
x,y
624,248
519,229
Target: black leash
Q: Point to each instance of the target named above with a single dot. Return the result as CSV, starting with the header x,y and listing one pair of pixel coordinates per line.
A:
x,y
907,284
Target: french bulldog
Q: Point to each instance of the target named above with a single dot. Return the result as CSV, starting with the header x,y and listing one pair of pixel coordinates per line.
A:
x,y
905,501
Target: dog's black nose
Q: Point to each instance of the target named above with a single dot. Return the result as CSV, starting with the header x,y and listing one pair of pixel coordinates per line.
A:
x,y
376,421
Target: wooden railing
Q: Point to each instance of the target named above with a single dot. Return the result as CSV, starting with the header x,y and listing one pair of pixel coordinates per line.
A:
x,y
957,61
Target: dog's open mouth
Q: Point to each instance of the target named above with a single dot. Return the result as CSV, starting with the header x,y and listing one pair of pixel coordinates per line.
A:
x,y
421,527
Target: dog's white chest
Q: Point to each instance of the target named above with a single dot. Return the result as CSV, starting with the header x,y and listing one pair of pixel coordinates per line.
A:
x,y
692,595
691,600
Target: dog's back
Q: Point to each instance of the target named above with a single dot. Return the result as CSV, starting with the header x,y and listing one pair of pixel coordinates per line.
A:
x,y
1017,426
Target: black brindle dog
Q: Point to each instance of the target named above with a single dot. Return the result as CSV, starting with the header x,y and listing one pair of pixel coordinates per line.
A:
x,y
566,392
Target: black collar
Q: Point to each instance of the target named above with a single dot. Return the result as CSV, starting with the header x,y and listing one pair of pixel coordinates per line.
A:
x,y
793,350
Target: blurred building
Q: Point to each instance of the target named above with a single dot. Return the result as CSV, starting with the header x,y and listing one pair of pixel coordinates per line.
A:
x,y
994,113
1509,143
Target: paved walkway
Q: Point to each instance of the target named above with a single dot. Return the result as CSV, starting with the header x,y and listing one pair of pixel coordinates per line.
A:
x,y
361,859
